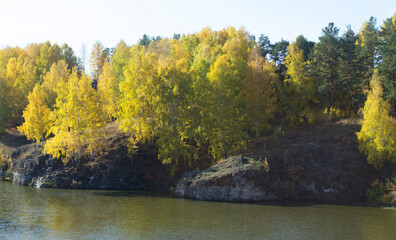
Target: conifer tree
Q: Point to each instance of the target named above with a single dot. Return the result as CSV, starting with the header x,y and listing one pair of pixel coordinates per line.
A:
x,y
69,57
306,46
387,68
325,65
368,50
349,73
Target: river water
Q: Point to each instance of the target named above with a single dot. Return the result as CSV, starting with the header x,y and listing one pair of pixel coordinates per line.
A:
x,y
30,213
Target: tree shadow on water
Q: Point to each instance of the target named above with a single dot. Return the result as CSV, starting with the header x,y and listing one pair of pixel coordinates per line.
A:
x,y
132,194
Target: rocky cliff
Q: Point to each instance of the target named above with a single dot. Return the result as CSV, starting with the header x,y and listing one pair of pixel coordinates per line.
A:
x,y
115,169
319,162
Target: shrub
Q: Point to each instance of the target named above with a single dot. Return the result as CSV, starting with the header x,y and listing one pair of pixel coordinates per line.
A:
x,y
4,160
383,193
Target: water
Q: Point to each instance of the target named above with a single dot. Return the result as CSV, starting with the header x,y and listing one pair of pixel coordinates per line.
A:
x,y
30,213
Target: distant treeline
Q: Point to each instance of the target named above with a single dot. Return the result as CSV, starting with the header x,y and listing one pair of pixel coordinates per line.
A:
x,y
203,92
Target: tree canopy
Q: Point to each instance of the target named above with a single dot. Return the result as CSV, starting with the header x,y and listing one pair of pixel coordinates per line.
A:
x,y
209,92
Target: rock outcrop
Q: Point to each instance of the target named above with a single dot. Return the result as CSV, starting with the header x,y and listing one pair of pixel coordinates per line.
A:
x,y
320,163
115,169
233,179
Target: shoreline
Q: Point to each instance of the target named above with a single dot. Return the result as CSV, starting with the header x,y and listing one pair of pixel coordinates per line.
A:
x,y
311,163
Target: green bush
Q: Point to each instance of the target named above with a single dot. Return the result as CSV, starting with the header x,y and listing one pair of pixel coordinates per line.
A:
x,y
383,193
3,159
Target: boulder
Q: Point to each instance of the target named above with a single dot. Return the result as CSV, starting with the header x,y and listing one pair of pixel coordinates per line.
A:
x,y
319,163
233,179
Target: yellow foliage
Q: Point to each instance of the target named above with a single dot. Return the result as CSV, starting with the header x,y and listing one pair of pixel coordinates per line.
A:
x,y
5,160
135,109
55,81
301,86
266,165
377,138
155,98
37,116
259,93
296,66
107,85
20,80
79,125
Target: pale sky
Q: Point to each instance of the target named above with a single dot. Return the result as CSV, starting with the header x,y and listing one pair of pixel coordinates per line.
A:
x,y
85,21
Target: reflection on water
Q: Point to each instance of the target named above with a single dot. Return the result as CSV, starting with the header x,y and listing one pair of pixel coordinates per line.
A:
x,y
30,213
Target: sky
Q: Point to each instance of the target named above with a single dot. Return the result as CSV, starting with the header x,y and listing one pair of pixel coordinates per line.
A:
x,y
78,22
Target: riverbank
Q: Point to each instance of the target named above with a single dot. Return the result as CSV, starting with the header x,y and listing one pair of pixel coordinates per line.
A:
x,y
114,169
318,162
31,213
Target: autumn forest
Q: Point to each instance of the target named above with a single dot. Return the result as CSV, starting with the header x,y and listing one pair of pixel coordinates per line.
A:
x,y
208,91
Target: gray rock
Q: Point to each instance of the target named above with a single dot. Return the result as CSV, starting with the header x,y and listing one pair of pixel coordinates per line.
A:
x,y
319,163
230,180
30,167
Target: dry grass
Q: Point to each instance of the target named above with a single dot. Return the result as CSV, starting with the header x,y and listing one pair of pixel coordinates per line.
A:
x,y
10,139
348,121
393,120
